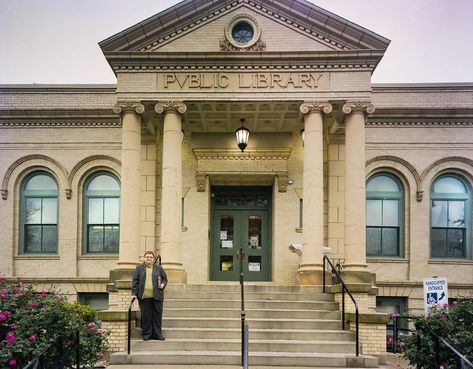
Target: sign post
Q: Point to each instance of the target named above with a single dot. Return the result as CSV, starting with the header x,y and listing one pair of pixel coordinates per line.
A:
x,y
435,293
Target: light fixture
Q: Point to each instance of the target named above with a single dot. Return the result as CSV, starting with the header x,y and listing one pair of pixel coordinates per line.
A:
x,y
242,135
302,136
182,135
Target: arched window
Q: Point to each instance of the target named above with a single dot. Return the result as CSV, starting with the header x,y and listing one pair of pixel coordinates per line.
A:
x,y
101,214
384,220
38,214
450,217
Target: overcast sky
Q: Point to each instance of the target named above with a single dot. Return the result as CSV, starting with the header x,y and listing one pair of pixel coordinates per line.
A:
x,y
55,41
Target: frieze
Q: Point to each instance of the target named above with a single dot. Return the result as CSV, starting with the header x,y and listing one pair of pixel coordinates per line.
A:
x,y
227,46
418,124
243,81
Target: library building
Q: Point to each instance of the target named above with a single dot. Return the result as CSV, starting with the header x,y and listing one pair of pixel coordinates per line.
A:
x,y
242,124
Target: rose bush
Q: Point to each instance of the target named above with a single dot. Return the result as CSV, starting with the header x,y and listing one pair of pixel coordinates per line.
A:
x,y
454,323
32,321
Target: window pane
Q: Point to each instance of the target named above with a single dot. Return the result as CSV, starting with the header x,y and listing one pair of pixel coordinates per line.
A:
x,y
33,211
449,185
390,213
456,243
49,211
50,238
112,211
226,263
390,241
226,231
456,214
95,211
95,241
248,200
382,184
439,241
111,239
103,183
254,231
41,182
439,213
33,238
373,241
373,213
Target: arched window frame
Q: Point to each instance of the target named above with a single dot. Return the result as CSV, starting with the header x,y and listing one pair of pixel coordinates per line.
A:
x,y
381,196
466,198
25,195
98,194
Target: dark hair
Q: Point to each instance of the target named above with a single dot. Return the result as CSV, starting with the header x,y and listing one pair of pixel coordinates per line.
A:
x,y
149,252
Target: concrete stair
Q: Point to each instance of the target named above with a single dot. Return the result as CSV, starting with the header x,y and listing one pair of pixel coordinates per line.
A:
x,y
290,326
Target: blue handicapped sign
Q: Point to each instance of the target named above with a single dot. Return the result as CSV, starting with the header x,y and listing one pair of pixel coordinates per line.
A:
x,y
432,298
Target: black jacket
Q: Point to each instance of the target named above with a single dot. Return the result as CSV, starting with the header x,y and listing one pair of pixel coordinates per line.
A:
x,y
139,278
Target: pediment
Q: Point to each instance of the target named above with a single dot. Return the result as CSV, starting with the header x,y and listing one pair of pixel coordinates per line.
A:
x,y
286,25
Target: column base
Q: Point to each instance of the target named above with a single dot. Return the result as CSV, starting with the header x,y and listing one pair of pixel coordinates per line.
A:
x,y
309,277
176,275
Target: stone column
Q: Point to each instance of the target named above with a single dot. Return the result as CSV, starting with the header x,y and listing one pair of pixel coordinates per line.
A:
x,y
130,187
355,179
171,197
310,271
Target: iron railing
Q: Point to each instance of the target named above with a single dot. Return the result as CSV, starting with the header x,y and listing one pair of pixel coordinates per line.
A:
x,y
40,361
130,305
244,326
344,288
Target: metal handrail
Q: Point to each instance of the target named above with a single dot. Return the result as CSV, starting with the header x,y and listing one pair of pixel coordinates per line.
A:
x,y
129,324
37,361
244,326
344,288
438,339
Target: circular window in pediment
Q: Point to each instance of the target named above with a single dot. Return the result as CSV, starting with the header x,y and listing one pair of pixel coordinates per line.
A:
x,y
242,31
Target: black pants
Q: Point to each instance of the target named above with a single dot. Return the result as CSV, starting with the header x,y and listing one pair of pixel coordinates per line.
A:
x,y
151,317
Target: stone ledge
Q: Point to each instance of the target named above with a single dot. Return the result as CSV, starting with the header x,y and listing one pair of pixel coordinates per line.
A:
x,y
115,316
368,318
354,288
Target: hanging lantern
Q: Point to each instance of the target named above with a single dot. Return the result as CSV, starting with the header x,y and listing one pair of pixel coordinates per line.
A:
x,y
302,136
242,136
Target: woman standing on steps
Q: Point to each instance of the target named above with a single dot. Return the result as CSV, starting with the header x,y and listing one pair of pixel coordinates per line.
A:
x,y
149,281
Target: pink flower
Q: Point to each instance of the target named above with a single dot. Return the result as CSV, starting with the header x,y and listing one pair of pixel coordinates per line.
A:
x,y
5,291
101,331
16,295
32,338
101,356
69,342
402,344
394,316
445,306
13,326
12,363
3,296
33,304
455,302
2,317
7,313
443,318
11,339
390,340
21,284
91,326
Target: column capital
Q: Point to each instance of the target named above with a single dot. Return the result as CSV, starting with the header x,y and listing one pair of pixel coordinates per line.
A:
x,y
363,106
170,106
128,106
317,106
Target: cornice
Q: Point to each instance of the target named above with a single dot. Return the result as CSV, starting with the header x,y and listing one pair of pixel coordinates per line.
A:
x,y
418,124
248,61
235,154
75,124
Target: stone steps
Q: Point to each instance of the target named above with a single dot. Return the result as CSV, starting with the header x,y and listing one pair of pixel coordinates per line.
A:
x,y
289,326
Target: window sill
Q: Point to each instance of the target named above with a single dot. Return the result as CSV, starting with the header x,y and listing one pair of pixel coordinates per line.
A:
x,y
36,257
382,259
98,257
451,261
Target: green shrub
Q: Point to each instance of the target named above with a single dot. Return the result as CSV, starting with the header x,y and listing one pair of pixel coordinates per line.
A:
x,y
454,324
86,312
32,321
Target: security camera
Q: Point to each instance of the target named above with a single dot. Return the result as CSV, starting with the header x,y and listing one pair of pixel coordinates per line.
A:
x,y
296,248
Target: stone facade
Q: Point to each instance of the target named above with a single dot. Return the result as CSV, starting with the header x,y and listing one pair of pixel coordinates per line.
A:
x,y
306,77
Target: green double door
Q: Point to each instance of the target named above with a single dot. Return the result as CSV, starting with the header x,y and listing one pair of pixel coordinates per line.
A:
x,y
241,218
